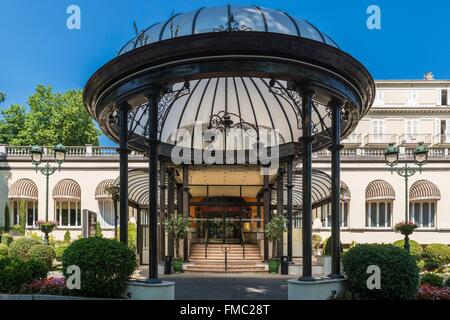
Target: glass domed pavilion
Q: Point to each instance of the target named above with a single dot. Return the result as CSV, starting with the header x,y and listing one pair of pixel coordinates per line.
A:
x,y
229,103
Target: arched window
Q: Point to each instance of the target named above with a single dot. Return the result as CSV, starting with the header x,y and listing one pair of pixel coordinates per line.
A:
x,y
325,210
67,196
26,191
105,204
379,200
423,198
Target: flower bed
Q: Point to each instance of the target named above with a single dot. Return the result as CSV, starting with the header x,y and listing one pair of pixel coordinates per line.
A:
x,y
430,292
51,285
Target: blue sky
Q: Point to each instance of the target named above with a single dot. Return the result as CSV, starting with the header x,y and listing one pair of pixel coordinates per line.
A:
x,y
37,48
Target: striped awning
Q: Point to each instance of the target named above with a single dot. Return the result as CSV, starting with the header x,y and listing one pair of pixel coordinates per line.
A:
x,y
424,190
67,189
23,189
100,191
380,190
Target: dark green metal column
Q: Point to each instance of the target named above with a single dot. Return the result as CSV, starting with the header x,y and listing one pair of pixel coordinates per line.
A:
x,y
123,154
307,139
289,208
280,206
335,106
266,199
186,209
162,210
170,207
153,100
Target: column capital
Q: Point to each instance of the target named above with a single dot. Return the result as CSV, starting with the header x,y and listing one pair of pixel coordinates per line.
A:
x,y
335,102
337,147
153,92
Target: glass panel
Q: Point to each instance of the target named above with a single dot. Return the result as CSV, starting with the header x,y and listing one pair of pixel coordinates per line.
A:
x,y
15,213
79,214
373,214
417,214
278,22
64,214
426,215
367,215
36,212
432,215
73,214
382,215
211,19
30,214
58,212
181,26
308,31
249,18
388,217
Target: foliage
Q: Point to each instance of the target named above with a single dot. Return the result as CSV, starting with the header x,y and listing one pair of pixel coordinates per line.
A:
x,y
22,216
436,256
50,285
432,279
316,241
44,253
2,97
98,230
20,248
328,246
405,228
447,282
12,121
399,272
46,226
430,292
14,273
177,228
59,251
7,239
414,247
67,237
274,231
132,236
7,217
52,118
3,250
15,229
105,265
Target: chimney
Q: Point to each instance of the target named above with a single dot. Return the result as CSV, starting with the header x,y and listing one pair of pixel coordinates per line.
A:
x,y
428,76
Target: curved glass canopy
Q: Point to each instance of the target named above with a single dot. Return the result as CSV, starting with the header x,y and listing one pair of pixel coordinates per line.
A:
x,y
228,18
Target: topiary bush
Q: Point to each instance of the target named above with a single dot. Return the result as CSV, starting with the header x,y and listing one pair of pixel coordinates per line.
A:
x,y
44,253
328,246
432,279
415,248
14,273
436,256
399,271
67,236
19,248
105,265
3,250
7,239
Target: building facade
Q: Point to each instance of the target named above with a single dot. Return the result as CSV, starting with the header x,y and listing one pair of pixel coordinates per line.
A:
x,y
373,200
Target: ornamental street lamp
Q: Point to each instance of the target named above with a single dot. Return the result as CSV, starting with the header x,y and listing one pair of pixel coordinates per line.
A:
x,y
59,155
391,155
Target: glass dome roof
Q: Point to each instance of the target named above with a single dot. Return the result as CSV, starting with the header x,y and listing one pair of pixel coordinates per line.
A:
x,y
228,18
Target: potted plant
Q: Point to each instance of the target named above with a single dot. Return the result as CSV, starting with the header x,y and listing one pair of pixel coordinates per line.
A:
x,y
406,229
316,243
177,228
274,231
46,227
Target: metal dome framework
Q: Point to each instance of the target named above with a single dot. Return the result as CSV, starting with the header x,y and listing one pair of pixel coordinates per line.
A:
x,y
249,69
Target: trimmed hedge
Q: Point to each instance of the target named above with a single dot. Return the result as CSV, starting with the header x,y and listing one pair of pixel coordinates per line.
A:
x,y
14,273
328,246
44,253
436,256
447,282
399,271
7,239
414,247
432,279
105,265
19,248
59,251
3,250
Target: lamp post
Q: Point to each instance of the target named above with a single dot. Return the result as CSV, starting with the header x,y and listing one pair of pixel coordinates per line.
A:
x,y
391,155
59,155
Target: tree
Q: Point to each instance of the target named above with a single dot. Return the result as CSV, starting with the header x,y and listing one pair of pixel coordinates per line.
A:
x,y
178,228
2,97
57,118
274,231
7,218
12,121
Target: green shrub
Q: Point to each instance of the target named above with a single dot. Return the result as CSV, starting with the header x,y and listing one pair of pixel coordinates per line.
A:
x,y
447,282
19,248
59,251
44,253
399,271
98,230
7,218
414,247
105,265
7,239
132,236
67,237
22,217
432,279
436,256
3,250
14,273
328,246
421,264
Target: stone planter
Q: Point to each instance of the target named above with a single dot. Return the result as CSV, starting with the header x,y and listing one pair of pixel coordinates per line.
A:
x,y
177,265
